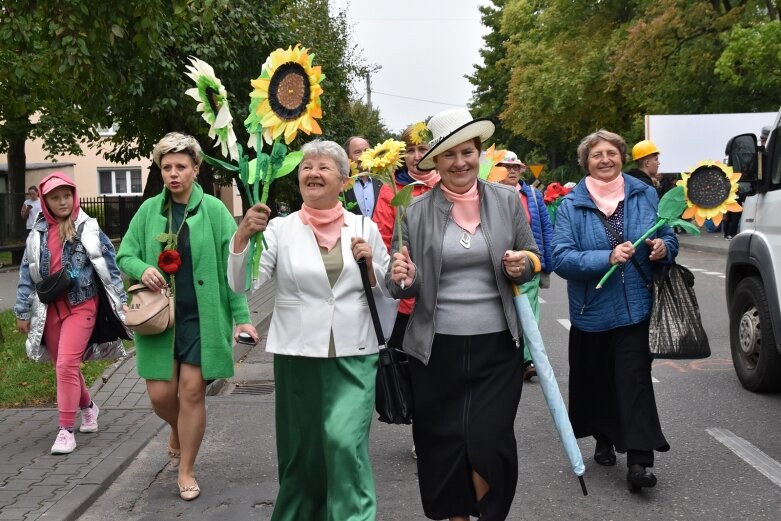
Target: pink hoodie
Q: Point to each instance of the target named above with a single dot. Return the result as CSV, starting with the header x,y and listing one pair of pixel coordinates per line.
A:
x,y
49,183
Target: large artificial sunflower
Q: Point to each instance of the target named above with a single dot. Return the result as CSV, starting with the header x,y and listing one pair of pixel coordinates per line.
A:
x,y
382,160
212,101
710,190
286,96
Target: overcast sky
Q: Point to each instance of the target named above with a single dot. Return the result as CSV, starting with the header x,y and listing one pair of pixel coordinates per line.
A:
x,y
425,48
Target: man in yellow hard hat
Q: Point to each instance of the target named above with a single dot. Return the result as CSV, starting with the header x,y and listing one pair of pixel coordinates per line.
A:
x,y
646,156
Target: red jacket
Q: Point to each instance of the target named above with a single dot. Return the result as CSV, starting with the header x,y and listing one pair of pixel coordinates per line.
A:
x,y
385,217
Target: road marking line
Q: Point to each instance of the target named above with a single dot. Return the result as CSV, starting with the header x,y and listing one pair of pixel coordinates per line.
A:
x,y
763,463
541,300
564,322
714,273
695,269
654,380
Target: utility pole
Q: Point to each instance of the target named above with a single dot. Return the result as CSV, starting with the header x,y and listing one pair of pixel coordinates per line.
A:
x,y
368,73
369,89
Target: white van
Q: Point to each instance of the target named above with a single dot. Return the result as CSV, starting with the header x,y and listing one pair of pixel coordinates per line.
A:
x,y
754,263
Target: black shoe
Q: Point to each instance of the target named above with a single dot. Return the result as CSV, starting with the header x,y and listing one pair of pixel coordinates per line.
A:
x,y
604,454
529,371
638,477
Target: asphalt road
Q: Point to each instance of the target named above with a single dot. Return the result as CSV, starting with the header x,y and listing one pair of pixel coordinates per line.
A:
x,y
723,438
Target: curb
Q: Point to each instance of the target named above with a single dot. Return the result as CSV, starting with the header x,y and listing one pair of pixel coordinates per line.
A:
x,y
80,498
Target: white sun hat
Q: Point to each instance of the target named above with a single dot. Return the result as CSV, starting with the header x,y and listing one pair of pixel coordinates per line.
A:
x,y
450,128
510,158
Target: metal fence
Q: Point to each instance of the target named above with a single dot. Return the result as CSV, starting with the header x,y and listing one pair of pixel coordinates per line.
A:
x,y
112,212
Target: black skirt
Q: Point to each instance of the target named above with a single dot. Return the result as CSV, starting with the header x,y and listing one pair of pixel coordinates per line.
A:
x,y
610,390
465,403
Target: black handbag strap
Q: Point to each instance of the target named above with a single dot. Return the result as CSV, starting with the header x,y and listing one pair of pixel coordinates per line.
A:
x,y
620,238
370,299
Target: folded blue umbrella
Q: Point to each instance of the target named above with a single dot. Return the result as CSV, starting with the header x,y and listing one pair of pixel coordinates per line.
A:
x,y
550,388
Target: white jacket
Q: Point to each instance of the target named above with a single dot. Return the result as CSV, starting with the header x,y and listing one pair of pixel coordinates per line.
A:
x,y
307,309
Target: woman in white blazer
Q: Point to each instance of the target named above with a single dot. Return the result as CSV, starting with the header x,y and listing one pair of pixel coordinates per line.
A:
x,y
321,334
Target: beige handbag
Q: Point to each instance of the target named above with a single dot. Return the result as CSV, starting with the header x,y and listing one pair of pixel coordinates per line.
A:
x,y
149,312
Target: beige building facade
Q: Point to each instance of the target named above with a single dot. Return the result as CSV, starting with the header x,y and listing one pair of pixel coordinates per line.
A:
x,y
96,176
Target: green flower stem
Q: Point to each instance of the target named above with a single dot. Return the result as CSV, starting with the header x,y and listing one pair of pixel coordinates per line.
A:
x,y
661,222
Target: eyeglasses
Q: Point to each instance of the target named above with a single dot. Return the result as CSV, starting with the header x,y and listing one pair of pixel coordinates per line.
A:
x,y
512,167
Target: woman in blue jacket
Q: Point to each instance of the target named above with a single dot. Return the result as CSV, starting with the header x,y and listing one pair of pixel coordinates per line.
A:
x,y
611,396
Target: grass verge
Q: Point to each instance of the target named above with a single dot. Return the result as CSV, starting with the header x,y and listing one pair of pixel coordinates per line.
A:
x,y
24,383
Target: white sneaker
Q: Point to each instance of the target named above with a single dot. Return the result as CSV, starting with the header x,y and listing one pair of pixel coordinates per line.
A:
x,y
89,419
65,442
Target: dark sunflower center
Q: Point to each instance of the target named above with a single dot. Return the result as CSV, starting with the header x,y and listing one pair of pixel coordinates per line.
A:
x,y
708,187
211,95
288,91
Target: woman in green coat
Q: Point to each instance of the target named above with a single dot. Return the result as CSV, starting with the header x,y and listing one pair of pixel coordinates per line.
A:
x,y
178,362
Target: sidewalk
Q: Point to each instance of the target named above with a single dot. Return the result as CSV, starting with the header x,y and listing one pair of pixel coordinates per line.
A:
x,y
706,242
36,485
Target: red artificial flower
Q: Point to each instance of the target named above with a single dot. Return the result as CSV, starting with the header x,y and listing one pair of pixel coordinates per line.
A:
x,y
553,192
169,261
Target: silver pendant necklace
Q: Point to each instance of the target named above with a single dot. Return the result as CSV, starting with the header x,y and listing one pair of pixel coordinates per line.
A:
x,y
466,239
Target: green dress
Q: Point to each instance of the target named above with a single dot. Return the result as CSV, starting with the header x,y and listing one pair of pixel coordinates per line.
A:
x,y
187,346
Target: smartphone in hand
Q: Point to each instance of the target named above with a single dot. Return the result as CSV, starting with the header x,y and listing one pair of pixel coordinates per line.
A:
x,y
246,338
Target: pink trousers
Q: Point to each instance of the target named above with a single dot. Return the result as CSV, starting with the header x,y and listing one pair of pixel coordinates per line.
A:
x,y
66,334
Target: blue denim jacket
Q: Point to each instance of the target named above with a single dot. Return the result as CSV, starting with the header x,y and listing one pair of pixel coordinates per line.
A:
x,y
75,259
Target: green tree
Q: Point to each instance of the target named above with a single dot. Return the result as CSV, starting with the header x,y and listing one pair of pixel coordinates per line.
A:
x,y
56,56
366,122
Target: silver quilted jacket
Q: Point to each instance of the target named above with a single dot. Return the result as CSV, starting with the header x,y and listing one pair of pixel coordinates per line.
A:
x,y
90,239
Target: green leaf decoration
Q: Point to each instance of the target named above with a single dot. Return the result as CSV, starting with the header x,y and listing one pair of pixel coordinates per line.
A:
x,y
278,153
256,174
403,197
485,169
162,237
672,204
289,164
686,225
251,169
219,163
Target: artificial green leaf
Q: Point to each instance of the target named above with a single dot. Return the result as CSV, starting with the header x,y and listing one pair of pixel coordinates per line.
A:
x,y
672,204
164,237
686,225
219,163
403,197
289,164
485,169
252,169
278,153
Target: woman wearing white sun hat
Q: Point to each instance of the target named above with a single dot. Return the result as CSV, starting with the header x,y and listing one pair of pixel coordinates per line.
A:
x,y
463,243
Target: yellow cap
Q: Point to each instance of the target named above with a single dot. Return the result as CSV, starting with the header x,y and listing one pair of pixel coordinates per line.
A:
x,y
644,148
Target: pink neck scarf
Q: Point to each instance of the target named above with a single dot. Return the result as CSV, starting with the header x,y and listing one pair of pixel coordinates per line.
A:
x,y
431,177
466,207
606,195
326,224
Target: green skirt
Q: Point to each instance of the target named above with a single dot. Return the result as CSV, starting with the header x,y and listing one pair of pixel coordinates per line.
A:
x,y
324,409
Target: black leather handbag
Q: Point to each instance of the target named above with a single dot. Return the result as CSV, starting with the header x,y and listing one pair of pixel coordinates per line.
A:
x,y
393,401
53,286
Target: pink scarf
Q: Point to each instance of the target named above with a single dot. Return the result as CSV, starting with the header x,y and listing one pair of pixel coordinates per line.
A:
x,y
606,195
466,207
326,224
431,177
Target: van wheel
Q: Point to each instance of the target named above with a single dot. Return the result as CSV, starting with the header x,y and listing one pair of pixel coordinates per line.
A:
x,y
752,340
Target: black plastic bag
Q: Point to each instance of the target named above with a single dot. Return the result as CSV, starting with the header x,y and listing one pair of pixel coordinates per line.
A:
x,y
676,326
